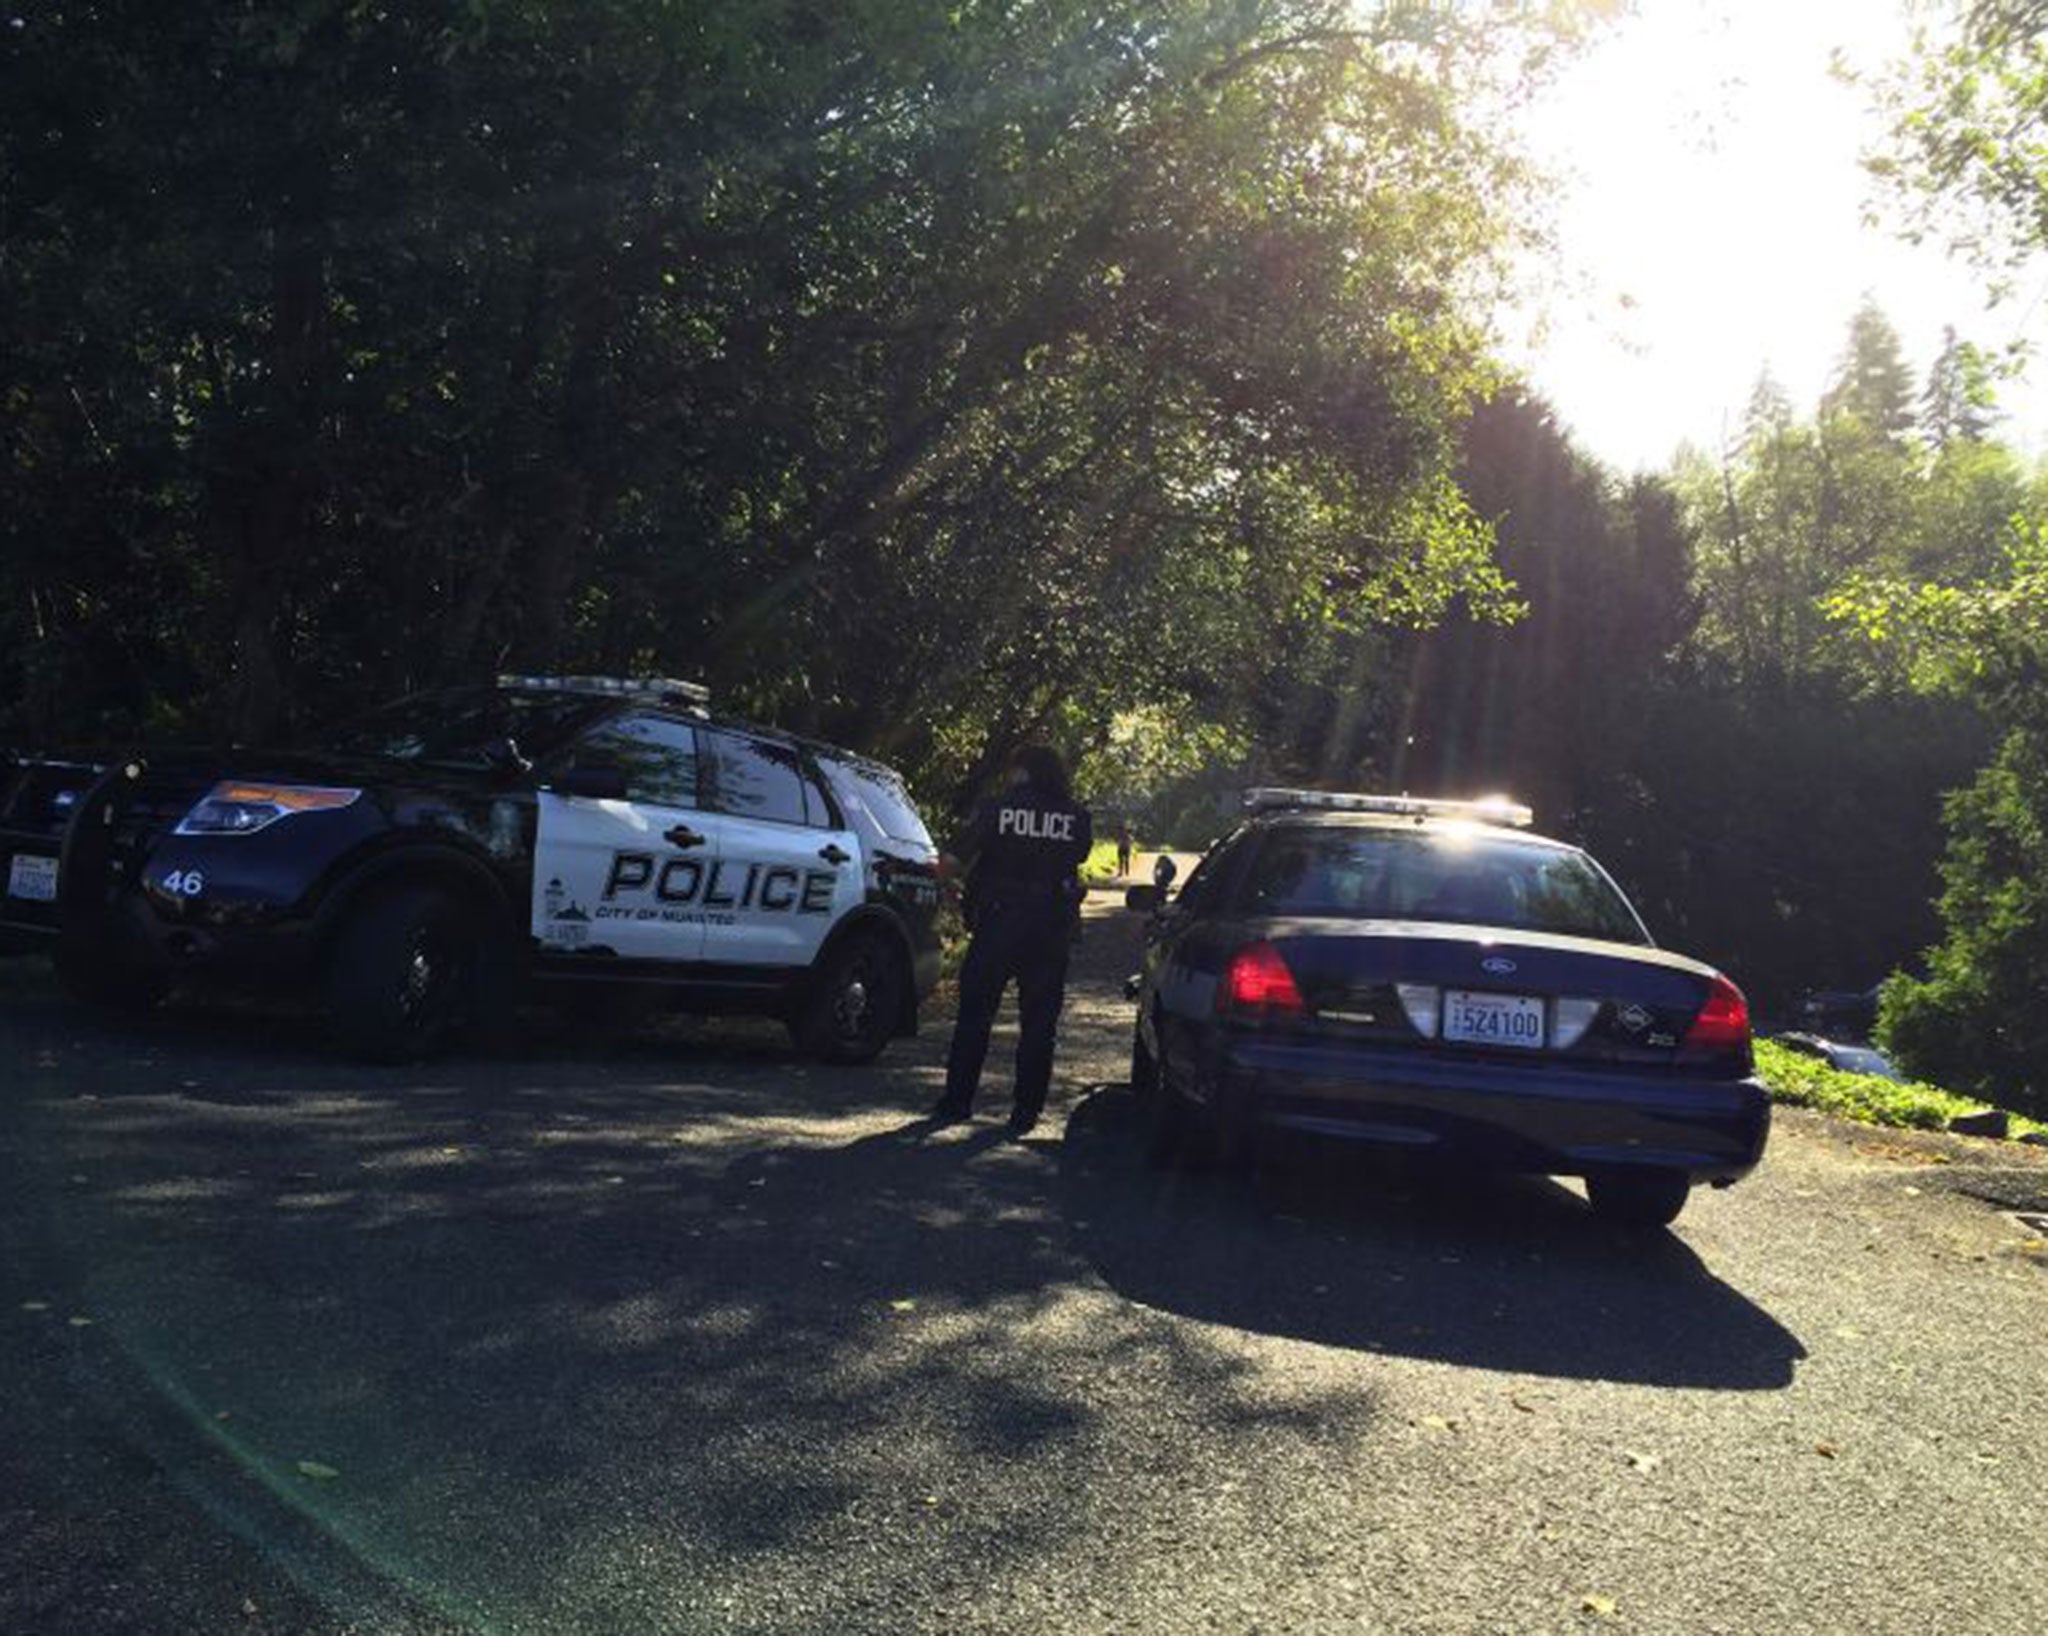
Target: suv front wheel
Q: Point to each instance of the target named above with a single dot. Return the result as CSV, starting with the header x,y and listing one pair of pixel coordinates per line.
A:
x,y
403,973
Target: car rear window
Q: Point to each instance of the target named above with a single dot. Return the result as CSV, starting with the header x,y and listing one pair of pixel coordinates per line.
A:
x,y
1458,876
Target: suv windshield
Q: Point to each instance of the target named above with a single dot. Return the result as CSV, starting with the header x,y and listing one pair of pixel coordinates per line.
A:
x,y
1481,880
459,727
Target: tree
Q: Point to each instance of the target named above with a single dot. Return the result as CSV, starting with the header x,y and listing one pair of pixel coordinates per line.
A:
x,y
1547,706
1959,403
1964,158
1974,1021
1872,382
925,374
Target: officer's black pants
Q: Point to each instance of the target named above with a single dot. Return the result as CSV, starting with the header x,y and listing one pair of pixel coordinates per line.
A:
x,y
1029,942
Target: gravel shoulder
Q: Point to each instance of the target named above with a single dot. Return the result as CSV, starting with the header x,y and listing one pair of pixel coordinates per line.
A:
x,y
669,1331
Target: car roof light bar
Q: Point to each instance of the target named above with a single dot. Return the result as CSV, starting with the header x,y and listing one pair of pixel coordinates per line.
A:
x,y
656,689
1488,809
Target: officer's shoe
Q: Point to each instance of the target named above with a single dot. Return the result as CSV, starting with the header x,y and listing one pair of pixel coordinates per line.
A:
x,y
1022,1123
947,1111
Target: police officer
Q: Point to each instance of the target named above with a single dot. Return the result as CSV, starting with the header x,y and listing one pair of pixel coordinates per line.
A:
x,y
1025,847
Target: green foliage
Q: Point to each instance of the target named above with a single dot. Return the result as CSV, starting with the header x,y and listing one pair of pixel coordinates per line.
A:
x,y
1525,686
923,374
1100,865
1796,510
1983,639
1145,751
1872,382
1965,157
1789,840
1870,1099
1960,402
1976,1020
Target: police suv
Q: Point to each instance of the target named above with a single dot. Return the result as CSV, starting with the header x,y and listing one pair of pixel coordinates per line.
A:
x,y
571,832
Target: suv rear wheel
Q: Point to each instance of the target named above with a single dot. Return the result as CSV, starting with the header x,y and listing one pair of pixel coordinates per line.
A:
x,y
403,973
1638,1198
849,1012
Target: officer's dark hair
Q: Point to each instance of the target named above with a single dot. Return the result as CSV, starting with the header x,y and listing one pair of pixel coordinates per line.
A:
x,y
1041,764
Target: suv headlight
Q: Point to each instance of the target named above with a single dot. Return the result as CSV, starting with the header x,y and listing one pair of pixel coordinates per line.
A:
x,y
243,809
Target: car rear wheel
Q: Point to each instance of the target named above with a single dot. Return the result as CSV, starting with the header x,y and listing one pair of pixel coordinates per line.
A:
x,y
1173,1131
1162,1116
850,1013
404,973
1638,1198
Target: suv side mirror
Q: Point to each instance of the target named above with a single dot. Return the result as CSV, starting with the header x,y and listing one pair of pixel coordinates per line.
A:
x,y
593,780
1164,873
1146,899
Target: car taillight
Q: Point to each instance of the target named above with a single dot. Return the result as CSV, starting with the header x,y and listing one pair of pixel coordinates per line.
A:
x,y
1722,1025
1258,984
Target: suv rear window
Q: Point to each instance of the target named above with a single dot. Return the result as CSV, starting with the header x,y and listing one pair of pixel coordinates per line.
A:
x,y
1478,880
880,798
759,779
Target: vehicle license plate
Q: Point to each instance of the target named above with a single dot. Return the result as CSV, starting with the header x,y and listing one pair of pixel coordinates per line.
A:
x,y
1493,1019
33,878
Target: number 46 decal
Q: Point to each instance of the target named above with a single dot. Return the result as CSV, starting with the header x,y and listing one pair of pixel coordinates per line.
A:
x,y
184,883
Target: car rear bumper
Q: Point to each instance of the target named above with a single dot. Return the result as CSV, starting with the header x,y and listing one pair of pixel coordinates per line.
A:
x,y
1547,1117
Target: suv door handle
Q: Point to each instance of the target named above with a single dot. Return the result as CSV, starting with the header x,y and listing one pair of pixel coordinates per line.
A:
x,y
831,854
682,836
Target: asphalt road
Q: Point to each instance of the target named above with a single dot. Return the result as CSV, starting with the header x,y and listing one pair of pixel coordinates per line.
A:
x,y
665,1330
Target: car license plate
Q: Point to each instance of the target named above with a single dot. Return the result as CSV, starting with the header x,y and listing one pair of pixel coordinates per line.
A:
x,y
33,878
1494,1019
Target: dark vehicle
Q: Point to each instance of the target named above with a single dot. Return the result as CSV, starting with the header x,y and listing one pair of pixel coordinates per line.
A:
x,y
1850,1059
1423,976
1843,1013
431,860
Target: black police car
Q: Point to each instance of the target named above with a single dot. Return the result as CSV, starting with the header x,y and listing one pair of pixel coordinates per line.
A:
x,y
1424,976
431,858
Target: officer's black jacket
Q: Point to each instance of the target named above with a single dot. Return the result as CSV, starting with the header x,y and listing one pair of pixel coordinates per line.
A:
x,y
1026,842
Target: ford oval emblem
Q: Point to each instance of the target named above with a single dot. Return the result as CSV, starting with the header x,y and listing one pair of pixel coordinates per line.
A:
x,y
1498,965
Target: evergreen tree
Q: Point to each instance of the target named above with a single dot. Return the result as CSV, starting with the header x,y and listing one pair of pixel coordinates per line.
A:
x,y
1769,411
1958,402
1872,382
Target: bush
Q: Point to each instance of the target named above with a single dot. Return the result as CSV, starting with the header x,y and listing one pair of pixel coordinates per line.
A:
x,y
1977,1020
1870,1099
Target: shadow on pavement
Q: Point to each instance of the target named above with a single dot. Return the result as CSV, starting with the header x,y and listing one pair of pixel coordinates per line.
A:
x,y
591,1368
1507,1273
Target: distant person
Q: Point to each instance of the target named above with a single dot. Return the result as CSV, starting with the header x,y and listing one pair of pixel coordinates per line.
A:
x,y
1123,847
1024,848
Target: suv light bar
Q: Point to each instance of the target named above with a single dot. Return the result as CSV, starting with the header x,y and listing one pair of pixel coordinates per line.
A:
x,y
1489,809
652,689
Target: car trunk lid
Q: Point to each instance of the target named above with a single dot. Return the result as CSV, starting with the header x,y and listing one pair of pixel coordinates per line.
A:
x,y
1481,990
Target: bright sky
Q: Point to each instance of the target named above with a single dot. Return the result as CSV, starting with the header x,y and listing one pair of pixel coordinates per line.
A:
x,y
1712,223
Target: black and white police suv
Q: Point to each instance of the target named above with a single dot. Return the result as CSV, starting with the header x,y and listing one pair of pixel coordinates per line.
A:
x,y
437,856
1424,976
